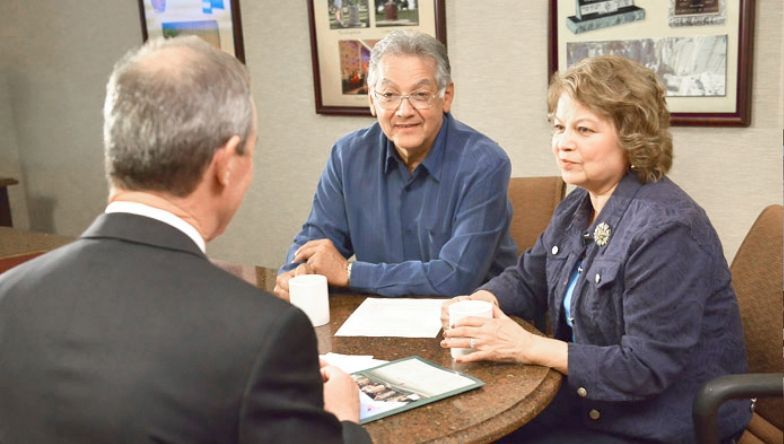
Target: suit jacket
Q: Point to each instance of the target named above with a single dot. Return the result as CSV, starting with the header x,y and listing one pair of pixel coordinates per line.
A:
x,y
130,334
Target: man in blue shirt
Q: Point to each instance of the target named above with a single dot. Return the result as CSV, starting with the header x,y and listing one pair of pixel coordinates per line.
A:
x,y
419,198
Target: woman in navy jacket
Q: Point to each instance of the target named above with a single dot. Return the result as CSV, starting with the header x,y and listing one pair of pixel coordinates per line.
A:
x,y
630,271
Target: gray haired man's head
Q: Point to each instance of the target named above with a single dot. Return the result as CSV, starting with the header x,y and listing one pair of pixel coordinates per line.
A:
x,y
411,43
169,105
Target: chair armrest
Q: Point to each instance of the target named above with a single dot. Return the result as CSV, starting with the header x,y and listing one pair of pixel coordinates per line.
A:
x,y
718,390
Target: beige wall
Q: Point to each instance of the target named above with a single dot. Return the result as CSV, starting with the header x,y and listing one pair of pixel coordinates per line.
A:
x,y
52,85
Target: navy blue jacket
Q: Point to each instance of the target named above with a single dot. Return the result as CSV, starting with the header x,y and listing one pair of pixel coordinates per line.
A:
x,y
654,312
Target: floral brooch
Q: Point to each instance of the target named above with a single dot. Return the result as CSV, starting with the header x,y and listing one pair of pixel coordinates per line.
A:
x,y
601,234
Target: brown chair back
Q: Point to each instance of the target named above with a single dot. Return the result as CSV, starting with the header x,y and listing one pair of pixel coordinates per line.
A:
x,y
9,262
758,279
533,201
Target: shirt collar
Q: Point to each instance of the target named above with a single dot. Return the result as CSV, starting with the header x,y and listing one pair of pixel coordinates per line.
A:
x,y
619,201
432,163
158,214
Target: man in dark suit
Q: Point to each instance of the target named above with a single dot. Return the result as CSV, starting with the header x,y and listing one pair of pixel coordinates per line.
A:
x,y
130,334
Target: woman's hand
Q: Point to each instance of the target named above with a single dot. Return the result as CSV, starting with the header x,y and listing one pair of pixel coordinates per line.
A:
x,y
481,295
503,339
497,339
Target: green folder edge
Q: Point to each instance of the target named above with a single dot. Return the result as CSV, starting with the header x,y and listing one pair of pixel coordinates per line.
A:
x,y
412,405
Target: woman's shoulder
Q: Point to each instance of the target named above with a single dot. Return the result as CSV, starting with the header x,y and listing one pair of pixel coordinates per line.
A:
x,y
665,201
663,206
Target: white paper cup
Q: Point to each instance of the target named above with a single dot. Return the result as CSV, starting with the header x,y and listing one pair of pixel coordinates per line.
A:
x,y
464,309
309,293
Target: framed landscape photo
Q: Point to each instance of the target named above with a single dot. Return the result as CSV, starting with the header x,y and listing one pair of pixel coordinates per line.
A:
x,y
701,50
216,21
342,34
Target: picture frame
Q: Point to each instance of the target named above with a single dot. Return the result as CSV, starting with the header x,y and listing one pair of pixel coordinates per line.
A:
x,y
702,50
342,33
218,22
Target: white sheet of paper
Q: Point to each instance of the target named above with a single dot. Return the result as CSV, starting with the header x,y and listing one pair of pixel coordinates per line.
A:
x,y
392,317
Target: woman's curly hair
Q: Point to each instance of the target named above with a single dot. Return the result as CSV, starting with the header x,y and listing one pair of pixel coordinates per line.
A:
x,y
632,98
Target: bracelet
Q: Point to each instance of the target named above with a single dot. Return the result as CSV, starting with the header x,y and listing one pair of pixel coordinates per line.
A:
x,y
348,273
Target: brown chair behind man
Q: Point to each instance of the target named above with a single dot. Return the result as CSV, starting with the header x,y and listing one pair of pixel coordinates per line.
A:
x,y
533,200
757,277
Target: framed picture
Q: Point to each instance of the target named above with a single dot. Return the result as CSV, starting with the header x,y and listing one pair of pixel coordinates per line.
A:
x,y
700,49
215,21
342,33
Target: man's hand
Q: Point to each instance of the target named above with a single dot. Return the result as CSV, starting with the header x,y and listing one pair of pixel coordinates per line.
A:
x,y
282,281
341,394
322,257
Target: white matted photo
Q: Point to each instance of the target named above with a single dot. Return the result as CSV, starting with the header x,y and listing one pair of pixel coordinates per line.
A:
x,y
215,21
700,49
342,34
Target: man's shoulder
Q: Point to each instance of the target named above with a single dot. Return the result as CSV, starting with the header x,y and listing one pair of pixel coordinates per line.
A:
x,y
216,287
465,141
357,150
110,261
361,141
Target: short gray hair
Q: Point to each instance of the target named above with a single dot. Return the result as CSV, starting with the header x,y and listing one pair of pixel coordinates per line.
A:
x,y
411,43
169,105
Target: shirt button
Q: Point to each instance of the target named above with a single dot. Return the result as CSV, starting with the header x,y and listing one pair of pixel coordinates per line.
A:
x,y
598,278
571,321
582,392
594,414
555,249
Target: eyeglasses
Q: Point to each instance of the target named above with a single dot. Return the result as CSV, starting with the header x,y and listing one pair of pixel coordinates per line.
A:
x,y
390,101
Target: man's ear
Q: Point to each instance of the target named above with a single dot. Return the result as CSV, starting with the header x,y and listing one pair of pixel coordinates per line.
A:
x,y
370,104
449,95
224,160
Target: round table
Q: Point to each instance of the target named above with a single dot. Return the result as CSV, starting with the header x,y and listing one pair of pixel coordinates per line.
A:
x,y
513,394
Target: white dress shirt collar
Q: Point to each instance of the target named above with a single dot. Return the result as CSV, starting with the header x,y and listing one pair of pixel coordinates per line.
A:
x,y
164,216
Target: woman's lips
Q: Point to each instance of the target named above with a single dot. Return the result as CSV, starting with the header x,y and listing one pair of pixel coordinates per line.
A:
x,y
567,164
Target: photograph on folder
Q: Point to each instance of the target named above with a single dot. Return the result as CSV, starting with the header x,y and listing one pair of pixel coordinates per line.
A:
x,y
405,384
215,21
699,49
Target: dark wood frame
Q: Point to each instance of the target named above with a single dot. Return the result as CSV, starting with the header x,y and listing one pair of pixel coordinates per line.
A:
x,y
321,108
5,204
742,114
236,27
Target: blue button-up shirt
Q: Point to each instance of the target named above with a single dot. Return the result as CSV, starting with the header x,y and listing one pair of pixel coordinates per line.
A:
x,y
442,229
654,314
